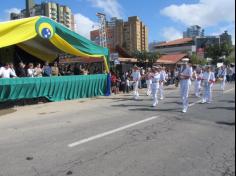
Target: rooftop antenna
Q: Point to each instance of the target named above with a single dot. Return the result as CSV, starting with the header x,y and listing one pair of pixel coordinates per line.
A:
x,y
102,29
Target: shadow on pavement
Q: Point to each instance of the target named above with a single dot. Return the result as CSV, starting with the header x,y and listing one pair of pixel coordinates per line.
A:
x,y
228,101
226,123
155,110
175,102
224,108
124,105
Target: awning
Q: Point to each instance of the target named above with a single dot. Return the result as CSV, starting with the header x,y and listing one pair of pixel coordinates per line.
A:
x,y
171,58
46,39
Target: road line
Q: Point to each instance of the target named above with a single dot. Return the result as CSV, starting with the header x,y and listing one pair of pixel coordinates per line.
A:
x,y
110,132
227,91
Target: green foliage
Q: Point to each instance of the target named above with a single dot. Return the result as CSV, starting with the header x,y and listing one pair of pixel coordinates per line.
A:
x,y
217,51
146,57
197,60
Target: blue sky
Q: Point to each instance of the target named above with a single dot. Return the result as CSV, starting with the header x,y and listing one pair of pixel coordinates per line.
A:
x,y
166,19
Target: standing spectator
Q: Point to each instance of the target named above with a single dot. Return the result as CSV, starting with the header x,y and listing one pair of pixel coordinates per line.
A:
x,y
30,70
38,72
113,82
12,68
123,83
47,71
55,69
222,73
233,71
77,70
20,71
6,72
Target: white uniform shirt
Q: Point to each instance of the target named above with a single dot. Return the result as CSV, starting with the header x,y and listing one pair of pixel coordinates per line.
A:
x,y
30,72
198,75
222,73
6,73
163,76
188,71
208,78
136,76
156,80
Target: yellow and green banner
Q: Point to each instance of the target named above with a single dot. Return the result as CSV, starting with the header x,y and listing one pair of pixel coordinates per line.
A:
x,y
46,39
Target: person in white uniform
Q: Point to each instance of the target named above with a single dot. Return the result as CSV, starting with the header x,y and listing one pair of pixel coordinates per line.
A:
x,y
208,81
155,84
163,78
136,78
6,72
197,76
149,81
185,76
222,77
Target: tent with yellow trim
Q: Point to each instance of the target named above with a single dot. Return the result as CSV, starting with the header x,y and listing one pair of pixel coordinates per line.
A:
x,y
46,39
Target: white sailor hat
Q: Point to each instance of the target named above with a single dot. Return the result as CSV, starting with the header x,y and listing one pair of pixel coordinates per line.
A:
x,y
185,60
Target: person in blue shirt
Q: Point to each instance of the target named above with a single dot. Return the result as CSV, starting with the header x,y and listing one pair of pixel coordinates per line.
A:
x,y
47,70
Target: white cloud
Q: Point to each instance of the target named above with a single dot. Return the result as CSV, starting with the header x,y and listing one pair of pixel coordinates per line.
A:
x,y
9,11
84,25
110,7
170,33
205,13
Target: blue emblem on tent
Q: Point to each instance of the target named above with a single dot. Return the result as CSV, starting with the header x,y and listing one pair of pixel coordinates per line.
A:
x,y
46,33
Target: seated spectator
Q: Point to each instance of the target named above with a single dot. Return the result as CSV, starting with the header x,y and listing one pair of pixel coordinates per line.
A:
x,y
30,70
47,71
6,72
38,72
55,69
20,71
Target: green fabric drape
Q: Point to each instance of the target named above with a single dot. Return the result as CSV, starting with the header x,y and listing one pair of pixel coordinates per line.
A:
x,y
53,88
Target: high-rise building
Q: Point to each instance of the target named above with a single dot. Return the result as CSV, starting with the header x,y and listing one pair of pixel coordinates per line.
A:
x,y
131,35
193,31
55,11
225,38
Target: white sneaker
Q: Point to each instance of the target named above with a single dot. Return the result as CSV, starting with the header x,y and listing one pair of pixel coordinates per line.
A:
x,y
203,102
184,110
162,98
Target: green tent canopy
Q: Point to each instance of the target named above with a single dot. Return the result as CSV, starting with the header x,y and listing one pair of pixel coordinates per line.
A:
x,y
46,39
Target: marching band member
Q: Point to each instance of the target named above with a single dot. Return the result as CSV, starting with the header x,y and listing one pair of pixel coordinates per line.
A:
x,y
149,81
222,77
208,81
163,77
185,83
197,76
155,84
136,78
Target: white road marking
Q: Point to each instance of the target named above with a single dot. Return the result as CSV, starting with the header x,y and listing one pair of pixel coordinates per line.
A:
x,y
227,91
110,132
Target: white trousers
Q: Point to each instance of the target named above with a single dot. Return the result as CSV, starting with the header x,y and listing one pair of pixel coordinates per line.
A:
x,y
155,88
136,93
149,84
197,87
184,92
161,89
207,92
222,84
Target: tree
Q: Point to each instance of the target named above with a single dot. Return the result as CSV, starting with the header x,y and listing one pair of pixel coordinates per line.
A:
x,y
197,61
145,57
216,52
153,57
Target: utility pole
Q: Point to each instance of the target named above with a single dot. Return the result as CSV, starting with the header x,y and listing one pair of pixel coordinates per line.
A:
x,y
102,29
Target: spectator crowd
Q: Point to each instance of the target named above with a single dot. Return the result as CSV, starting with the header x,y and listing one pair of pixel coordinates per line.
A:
x,y
8,70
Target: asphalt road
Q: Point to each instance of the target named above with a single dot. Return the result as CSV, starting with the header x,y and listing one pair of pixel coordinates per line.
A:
x,y
117,136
